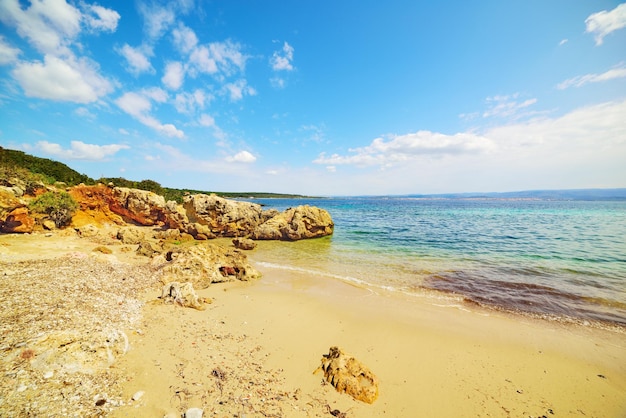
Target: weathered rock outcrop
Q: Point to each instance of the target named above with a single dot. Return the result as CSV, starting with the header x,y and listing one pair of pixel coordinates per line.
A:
x,y
244,244
349,375
302,222
18,221
93,206
139,206
183,294
224,217
204,264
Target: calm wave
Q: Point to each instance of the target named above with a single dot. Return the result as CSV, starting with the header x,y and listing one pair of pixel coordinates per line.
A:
x,y
565,259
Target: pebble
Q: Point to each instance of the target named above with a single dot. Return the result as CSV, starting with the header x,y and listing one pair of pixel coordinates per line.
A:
x,y
138,395
22,388
194,413
48,375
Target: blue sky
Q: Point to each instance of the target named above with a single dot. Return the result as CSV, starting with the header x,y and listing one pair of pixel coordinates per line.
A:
x,y
325,97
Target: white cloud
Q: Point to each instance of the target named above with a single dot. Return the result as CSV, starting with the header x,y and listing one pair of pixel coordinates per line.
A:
x,y
123,131
81,151
224,58
603,23
189,102
73,80
206,120
101,18
137,59
155,93
238,89
282,60
409,147
242,157
582,148
185,39
563,42
49,25
157,19
506,106
278,82
84,113
581,80
8,54
139,106
174,75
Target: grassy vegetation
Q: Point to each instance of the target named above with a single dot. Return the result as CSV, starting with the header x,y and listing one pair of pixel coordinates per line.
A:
x,y
59,206
41,169
34,171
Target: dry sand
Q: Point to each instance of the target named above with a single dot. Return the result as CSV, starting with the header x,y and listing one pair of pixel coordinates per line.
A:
x,y
253,351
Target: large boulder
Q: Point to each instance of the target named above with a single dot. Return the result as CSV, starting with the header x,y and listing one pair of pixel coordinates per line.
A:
x,y
204,264
18,221
297,223
224,217
138,206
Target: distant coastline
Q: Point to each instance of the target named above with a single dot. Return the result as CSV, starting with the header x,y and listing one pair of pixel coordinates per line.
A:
x,y
564,194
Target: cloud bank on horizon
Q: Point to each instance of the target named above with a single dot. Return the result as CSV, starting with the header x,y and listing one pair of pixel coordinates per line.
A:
x,y
328,99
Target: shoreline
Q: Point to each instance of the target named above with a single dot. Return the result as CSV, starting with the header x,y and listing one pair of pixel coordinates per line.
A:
x,y
253,351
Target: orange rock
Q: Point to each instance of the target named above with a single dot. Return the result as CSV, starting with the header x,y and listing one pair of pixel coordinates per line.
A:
x,y
349,375
18,221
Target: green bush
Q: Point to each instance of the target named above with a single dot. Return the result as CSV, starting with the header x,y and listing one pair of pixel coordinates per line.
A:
x,y
60,207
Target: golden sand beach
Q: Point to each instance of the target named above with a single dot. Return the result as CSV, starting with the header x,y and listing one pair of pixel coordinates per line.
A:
x,y
253,351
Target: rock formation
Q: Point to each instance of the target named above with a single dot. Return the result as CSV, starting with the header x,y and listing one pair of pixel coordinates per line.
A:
x,y
302,222
244,244
349,375
18,221
182,294
224,217
140,206
204,264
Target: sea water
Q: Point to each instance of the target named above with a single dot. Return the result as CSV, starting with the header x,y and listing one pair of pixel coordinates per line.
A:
x,y
555,259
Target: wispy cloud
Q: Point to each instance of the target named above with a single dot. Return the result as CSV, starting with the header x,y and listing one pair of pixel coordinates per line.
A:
x,y
139,106
80,150
101,18
592,135
506,106
237,90
137,59
157,19
8,54
185,39
581,80
402,148
283,60
603,23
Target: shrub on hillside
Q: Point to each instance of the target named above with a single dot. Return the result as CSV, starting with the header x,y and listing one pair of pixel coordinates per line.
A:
x,y
60,207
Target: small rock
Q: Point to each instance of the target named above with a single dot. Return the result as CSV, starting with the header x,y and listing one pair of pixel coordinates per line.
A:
x,y
48,375
22,388
194,413
138,395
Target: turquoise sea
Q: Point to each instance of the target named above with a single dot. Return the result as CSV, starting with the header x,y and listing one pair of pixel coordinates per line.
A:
x,y
563,260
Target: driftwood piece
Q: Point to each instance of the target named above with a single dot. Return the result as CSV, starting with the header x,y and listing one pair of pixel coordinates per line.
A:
x,y
348,375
